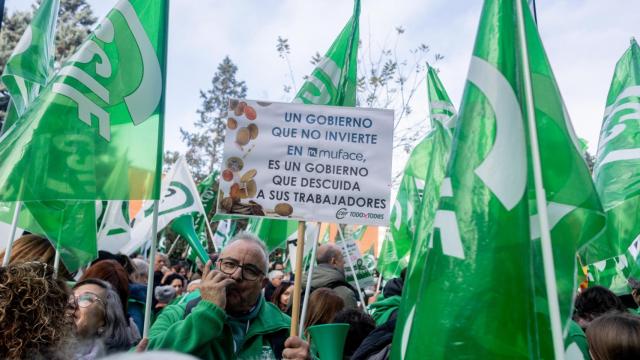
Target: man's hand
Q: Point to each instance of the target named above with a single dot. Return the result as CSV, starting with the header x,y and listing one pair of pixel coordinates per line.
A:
x,y
296,349
213,287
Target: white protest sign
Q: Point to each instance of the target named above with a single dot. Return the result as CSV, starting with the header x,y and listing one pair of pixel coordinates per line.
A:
x,y
365,277
307,162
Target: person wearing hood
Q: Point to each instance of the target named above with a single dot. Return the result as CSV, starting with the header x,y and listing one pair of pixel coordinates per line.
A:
x,y
389,302
330,274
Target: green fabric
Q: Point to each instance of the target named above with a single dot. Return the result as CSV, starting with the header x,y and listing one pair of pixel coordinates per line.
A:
x,y
204,333
483,292
403,221
238,325
614,255
110,94
382,309
30,65
577,336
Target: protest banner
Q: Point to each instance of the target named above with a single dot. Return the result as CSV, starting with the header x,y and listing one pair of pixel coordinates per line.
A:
x,y
362,272
307,162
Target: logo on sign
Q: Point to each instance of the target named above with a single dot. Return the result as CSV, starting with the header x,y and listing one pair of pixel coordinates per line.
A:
x,y
341,213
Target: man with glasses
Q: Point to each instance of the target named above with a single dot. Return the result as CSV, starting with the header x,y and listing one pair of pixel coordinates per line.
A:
x,y
231,318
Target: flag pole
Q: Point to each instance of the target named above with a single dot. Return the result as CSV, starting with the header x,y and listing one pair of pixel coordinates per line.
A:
x,y
56,260
173,245
355,277
307,290
206,222
152,258
295,312
541,198
12,236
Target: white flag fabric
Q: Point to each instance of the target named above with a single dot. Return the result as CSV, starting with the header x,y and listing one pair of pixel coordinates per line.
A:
x,y
115,230
179,197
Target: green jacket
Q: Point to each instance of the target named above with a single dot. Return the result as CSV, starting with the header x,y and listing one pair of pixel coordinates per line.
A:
x,y
204,333
382,309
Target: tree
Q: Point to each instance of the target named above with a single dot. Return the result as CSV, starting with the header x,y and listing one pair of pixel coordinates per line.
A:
x,y
205,145
75,22
387,80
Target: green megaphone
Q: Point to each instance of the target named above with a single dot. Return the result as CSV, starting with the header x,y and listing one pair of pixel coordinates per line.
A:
x,y
183,225
327,340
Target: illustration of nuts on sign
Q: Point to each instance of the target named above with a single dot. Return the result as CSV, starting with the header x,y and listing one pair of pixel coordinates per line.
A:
x,y
241,113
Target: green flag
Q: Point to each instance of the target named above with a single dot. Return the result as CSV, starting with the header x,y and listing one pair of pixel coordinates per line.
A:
x,y
274,233
617,177
483,293
30,65
402,223
207,189
104,108
332,82
437,147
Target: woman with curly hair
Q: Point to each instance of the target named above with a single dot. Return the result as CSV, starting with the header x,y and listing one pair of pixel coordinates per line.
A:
x,y
34,317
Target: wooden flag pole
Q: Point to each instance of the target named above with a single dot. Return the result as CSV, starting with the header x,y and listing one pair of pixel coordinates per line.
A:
x,y
12,236
206,222
307,290
295,313
152,259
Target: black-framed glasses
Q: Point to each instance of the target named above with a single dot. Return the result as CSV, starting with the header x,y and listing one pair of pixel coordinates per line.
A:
x,y
85,300
249,272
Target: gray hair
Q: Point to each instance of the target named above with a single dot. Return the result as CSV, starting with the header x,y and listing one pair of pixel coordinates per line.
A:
x,y
116,334
274,274
249,237
327,252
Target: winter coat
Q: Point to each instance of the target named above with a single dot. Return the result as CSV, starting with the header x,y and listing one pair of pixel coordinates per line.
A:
x,y
324,275
203,332
382,309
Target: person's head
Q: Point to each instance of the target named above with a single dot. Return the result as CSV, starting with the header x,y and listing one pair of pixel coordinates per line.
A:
x,y
98,313
276,276
161,260
361,324
140,273
594,302
112,272
278,265
282,294
324,304
34,317
35,248
177,281
330,254
614,336
245,260
180,268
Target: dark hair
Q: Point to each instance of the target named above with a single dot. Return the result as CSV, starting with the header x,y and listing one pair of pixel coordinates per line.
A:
x,y
277,293
112,272
614,336
35,248
596,301
169,279
324,304
33,312
361,325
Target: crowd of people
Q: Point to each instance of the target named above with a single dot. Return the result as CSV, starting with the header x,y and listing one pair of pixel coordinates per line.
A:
x,y
236,306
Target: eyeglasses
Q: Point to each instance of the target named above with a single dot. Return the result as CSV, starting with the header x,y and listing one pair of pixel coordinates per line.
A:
x,y
85,300
249,272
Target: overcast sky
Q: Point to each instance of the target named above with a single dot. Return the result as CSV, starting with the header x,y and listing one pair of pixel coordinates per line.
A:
x,y
583,40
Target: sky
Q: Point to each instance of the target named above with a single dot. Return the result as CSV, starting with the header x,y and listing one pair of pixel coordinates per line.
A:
x,y
583,40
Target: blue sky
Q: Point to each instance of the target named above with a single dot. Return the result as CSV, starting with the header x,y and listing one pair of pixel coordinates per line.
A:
x,y
583,40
